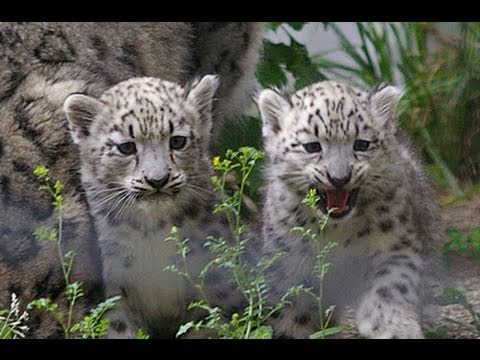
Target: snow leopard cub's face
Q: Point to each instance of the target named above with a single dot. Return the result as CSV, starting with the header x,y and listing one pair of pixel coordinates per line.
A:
x,y
329,136
143,144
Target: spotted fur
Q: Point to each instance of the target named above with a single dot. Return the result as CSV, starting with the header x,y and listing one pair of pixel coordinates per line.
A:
x,y
382,241
138,192
40,65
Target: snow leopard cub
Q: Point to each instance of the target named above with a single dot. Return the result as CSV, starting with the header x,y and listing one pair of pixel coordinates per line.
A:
x,y
145,167
345,143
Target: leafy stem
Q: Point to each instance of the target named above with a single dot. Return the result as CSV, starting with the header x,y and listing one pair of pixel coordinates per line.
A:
x,y
92,326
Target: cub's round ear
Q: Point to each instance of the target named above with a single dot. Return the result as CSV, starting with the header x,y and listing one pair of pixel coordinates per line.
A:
x,y
384,101
273,107
81,111
202,92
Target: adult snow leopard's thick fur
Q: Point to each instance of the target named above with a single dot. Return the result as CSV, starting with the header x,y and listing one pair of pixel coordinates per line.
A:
x,y
40,65
344,142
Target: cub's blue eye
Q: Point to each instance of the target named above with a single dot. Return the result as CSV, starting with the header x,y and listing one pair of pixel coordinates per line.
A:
x,y
361,145
127,148
313,147
178,142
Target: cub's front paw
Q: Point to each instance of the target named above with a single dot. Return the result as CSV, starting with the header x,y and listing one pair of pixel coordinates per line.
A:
x,y
120,329
388,323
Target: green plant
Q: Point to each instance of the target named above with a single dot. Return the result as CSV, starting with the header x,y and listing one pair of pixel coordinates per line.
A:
x,y
73,290
323,249
465,245
248,279
280,60
12,322
142,335
93,325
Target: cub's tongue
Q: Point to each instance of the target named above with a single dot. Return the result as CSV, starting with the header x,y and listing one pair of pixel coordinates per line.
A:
x,y
337,199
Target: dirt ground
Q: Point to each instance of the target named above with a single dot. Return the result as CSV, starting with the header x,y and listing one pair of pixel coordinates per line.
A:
x,y
457,271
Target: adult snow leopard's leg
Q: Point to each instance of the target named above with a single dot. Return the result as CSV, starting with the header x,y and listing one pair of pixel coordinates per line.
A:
x,y
231,50
30,267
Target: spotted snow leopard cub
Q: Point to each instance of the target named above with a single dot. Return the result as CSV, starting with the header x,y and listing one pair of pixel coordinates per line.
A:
x,y
145,167
345,143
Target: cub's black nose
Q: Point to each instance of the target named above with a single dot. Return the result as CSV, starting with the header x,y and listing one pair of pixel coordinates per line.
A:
x,y
157,183
339,182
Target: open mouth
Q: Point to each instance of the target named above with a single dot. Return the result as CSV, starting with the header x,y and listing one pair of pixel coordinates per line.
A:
x,y
340,200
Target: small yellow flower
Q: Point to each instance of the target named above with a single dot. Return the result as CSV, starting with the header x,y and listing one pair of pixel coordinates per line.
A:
x,y
235,317
216,161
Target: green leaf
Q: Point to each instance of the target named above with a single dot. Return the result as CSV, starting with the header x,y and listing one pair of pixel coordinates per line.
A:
x,y
70,255
58,187
94,325
41,172
300,64
274,25
74,291
350,49
108,304
327,332
435,173
452,296
45,233
297,25
44,304
6,332
262,332
294,25
184,328
142,335
269,71
467,246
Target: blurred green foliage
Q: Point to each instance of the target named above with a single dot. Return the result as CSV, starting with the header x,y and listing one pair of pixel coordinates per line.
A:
x,y
468,245
280,59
